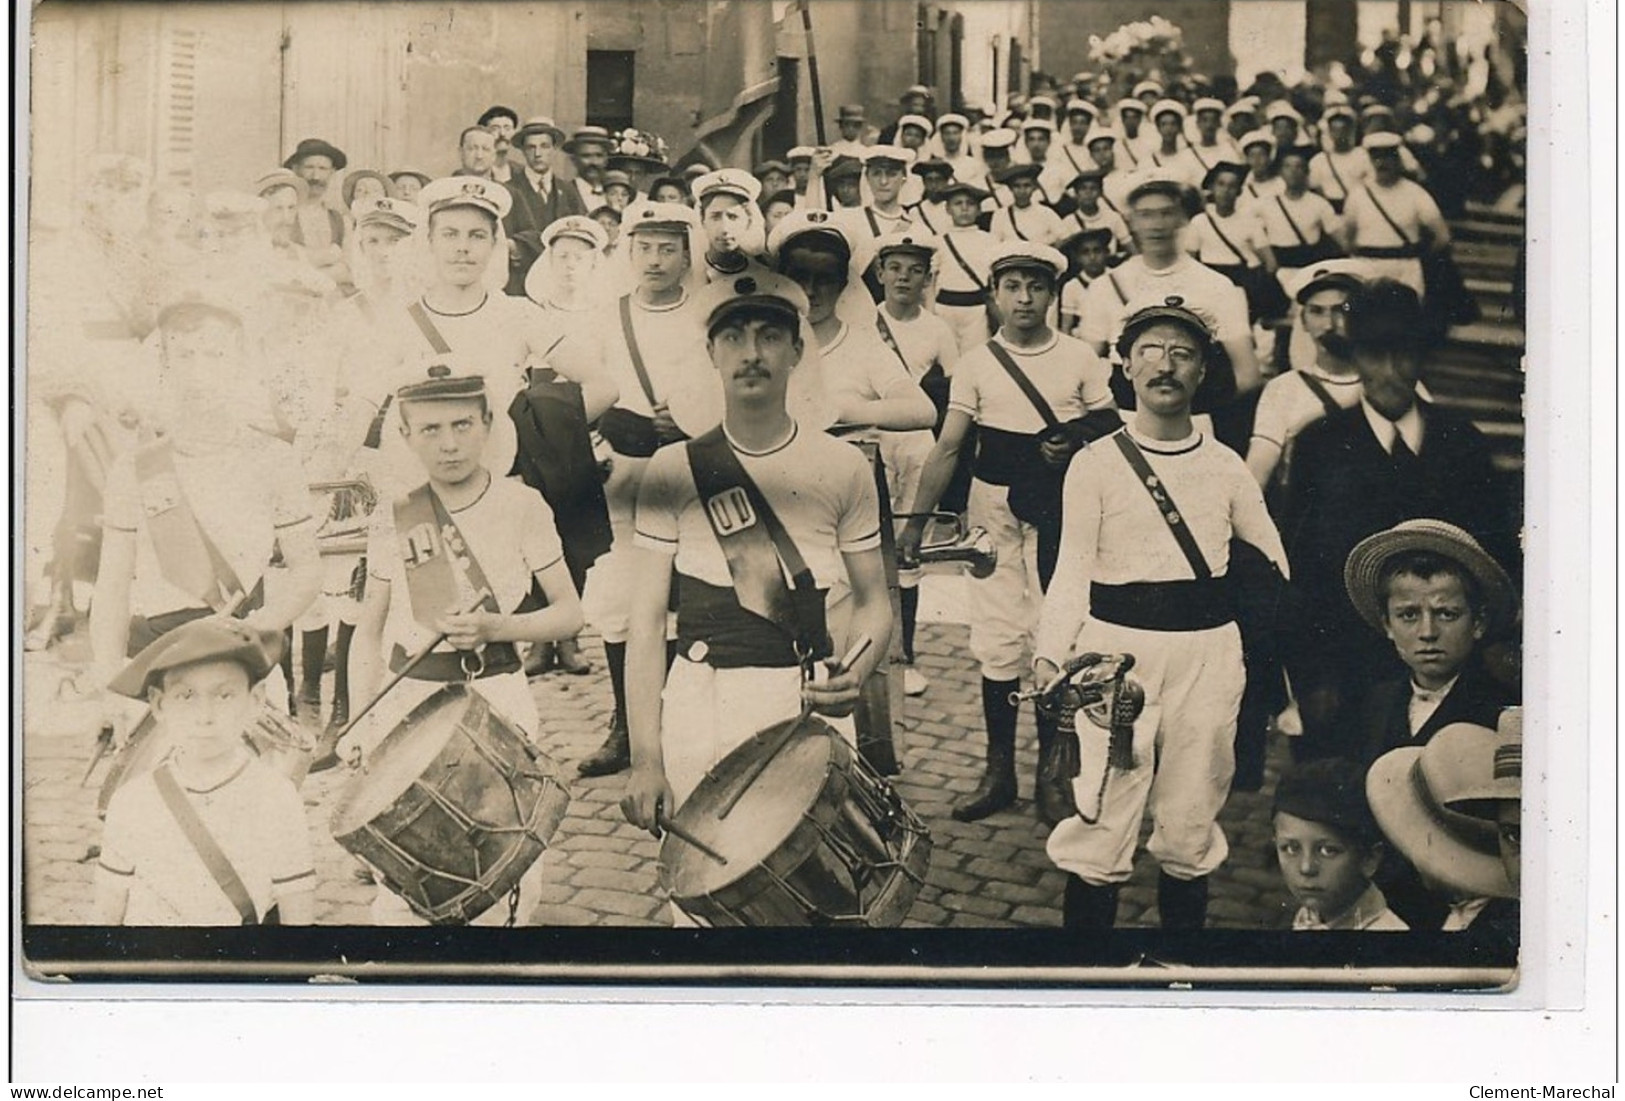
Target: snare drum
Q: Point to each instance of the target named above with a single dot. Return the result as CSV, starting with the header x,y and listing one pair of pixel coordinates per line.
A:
x,y
816,837
452,807
276,738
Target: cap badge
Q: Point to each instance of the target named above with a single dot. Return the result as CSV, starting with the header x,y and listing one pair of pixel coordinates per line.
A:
x,y
1174,300
439,370
473,187
746,285
817,216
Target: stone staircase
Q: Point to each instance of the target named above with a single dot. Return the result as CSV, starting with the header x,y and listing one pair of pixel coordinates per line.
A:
x,y
1480,369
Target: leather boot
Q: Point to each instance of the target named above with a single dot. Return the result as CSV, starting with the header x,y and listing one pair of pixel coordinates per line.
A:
x,y
312,655
1089,905
286,661
1182,902
615,755
998,787
543,658
326,753
568,652
56,620
1050,802
908,596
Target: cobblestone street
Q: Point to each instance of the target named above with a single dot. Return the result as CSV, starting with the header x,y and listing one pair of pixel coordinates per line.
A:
x,y
601,871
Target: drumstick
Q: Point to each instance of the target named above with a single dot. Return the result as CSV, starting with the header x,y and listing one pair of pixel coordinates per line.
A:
x,y
853,656
683,835
412,663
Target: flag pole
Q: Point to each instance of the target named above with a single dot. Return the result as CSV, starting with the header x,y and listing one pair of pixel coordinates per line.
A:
x,y
812,72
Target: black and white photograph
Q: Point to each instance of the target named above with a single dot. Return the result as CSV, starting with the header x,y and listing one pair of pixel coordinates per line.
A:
x,y
956,493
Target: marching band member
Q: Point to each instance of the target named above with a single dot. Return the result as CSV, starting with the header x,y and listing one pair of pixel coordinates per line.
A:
x,y
1053,175
726,200
1258,149
1116,181
1024,219
962,290
935,174
1168,154
1341,165
648,342
1088,250
1209,145
1088,213
1390,221
451,566
1074,144
730,515
996,157
1137,142
885,168
190,517
1036,397
1144,575
951,145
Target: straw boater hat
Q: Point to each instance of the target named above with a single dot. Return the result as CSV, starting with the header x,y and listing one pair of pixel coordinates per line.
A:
x,y
1423,797
1362,572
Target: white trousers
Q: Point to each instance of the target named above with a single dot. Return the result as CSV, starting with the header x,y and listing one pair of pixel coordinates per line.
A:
x,y
1005,604
904,454
1184,757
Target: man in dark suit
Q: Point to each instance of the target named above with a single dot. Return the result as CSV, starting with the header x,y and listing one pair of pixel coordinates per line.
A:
x,y
1392,457
539,198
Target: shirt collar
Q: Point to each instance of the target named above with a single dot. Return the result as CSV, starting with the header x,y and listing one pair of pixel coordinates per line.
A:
x,y
539,183
1432,695
1408,426
1367,908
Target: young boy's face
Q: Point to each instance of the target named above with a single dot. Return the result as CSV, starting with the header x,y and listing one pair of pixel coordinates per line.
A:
x,y
1322,869
207,705
1432,625
447,436
963,209
903,277
1088,193
1022,191
1092,257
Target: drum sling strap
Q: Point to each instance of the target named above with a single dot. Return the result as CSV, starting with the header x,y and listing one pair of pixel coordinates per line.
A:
x,y
1014,228
1318,388
959,258
891,340
1241,257
1409,245
442,575
758,548
187,557
207,848
1303,242
1165,505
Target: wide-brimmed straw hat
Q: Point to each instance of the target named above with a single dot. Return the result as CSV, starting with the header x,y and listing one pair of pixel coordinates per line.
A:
x,y
1412,790
1362,571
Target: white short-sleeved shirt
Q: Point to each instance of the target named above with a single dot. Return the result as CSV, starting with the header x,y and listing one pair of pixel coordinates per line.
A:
x,y
1038,223
975,247
497,340
822,490
1312,216
241,496
256,817
1226,242
1287,406
858,366
671,339
1335,174
1071,378
865,223
509,531
1105,306
925,340
1407,203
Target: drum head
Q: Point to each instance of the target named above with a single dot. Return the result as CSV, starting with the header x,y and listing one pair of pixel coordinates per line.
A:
x,y
401,758
768,812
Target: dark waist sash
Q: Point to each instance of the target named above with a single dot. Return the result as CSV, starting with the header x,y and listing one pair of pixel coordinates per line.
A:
x,y
1005,458
448,667
1236,273
1396,252
1298,256
1165,605
961,298
628,433
714,629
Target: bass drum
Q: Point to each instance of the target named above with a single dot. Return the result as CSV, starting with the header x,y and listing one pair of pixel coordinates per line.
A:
x,y
276,738
812,837
452,808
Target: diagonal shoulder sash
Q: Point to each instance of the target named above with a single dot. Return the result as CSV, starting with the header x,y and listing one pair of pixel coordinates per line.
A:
x,y
1318,388
1165,505
420,317
1241,257
1389,218
1023,383
187,557
1280,201
1016,229
203,842
442,574
959,258
635,352
758,548
891,339
1331,165
1117,288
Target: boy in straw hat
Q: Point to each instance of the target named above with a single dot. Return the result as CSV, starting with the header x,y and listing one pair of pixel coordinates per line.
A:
x,y
1452,809
211,836
1436,594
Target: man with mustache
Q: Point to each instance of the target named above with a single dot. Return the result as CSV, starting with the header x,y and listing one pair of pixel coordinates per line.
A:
x,y
649,342
1036,397
502,122
1148,518
749,641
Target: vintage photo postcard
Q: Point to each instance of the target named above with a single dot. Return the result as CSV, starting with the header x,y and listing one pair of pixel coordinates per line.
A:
x,y
978,493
